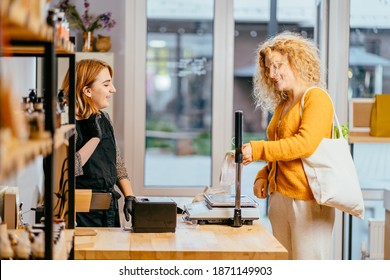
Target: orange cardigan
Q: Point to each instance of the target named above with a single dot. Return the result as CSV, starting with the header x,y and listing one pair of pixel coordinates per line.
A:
x,y
297,138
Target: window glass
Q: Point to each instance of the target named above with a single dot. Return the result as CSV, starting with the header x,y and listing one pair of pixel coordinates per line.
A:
x,y
179,93
369,72
369,55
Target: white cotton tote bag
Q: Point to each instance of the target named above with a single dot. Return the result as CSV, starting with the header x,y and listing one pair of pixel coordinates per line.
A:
x,y
332,176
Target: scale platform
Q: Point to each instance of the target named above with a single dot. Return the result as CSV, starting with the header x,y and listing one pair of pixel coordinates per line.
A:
x,y
219,209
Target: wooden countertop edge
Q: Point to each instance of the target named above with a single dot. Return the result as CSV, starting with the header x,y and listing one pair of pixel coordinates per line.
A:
x,y
179,255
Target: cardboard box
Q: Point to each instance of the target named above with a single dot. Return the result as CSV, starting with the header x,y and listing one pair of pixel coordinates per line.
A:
x,y
11,207
2,192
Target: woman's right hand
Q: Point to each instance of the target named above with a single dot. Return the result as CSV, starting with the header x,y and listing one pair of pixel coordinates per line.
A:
x,y
260,188
247,157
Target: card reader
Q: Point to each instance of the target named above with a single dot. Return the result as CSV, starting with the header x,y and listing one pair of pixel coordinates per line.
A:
x,y
154,214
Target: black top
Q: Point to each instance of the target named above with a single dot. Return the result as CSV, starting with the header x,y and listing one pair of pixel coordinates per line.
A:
x,y
99,174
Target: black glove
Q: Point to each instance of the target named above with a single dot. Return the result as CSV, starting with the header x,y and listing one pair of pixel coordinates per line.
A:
x,y
128,207
91,127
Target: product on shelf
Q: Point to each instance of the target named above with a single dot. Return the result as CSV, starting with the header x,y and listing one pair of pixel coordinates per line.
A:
x,y
11,117
62,112
35,115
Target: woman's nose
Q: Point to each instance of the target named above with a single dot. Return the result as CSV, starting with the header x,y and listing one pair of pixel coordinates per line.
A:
x,y
272,73
113,89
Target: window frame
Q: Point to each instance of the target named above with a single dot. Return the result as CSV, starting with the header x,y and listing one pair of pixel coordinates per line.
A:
x,y
222,96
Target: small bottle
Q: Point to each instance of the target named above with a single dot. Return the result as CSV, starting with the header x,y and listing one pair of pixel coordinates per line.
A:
x,y
61,25
25,105
62,108
38,105
32,97
50,18
39,111
65,114
37,117
29,114
67,29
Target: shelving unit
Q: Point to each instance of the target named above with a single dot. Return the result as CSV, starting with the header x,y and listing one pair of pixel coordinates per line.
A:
x,y
29,36
17,154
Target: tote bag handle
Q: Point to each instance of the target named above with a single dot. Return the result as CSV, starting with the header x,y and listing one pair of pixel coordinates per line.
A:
x,y
335,119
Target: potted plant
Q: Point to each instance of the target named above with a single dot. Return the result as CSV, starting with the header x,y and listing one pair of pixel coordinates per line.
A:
x,y
86,22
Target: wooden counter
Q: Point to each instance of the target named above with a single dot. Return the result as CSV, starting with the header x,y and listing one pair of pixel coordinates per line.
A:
x,y
365,137
189,242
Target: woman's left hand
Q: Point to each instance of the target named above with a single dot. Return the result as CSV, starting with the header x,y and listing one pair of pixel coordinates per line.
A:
x,y
128,206
247,154
260,188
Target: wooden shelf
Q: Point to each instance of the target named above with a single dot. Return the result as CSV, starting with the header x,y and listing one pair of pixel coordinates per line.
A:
x,y
23,25
63,134
365,137
33,50
25,32
16,154
62,249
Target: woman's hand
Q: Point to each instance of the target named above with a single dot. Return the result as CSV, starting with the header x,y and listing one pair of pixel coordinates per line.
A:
x,y
247,154
128,206
260,188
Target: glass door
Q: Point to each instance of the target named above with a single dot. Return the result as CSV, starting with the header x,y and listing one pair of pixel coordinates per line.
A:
x,y
179,69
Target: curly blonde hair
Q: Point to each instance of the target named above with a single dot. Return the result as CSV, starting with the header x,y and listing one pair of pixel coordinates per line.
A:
x,y
86,72
303,57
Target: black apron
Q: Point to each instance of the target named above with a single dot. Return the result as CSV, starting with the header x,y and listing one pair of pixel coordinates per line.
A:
x,y
99,175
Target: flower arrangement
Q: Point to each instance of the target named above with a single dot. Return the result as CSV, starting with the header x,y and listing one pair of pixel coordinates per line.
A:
x,y
86,22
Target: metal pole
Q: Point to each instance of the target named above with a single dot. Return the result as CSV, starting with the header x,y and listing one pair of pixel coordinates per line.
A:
x,y
237,221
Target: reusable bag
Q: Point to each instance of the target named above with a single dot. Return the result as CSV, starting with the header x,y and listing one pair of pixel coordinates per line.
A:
x,y
380,116
332,176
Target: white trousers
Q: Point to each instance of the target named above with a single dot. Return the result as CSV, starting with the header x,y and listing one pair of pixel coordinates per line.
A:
x,y
302,226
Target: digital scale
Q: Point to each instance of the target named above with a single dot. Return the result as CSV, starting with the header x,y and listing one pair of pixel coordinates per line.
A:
x,y
219,209
232,209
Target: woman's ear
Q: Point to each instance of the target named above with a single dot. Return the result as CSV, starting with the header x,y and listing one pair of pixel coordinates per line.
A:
x,y
87,91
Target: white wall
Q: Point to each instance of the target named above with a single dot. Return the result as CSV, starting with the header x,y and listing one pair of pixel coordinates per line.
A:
x,y
117,8
20,74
